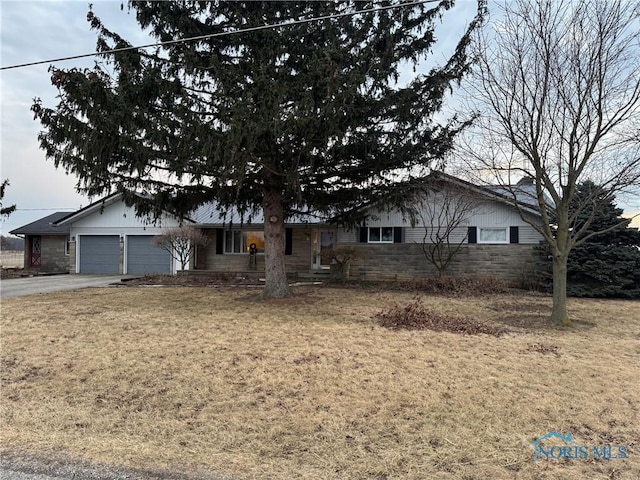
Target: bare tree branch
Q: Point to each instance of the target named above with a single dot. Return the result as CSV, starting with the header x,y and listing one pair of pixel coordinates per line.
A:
x,y
557,90
181,242
442,213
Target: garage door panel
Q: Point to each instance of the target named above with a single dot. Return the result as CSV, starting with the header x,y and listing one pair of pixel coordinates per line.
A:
x,y
99,254
145,257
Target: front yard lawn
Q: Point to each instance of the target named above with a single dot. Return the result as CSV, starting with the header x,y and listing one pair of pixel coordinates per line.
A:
x,y
209,379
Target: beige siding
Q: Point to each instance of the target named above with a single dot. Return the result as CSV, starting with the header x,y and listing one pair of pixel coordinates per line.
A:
x,y
387,219
530,235
493,214
417,234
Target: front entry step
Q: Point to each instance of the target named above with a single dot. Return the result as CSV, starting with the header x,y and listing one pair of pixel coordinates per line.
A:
x,y
321,273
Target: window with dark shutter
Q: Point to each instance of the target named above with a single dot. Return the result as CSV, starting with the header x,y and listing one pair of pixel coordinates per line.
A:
x,y
219,241
364,235
288,241
472,235
397,234
514,234
381,235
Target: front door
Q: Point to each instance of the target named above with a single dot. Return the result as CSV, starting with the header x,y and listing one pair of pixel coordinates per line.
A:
x,y
35,252
323,240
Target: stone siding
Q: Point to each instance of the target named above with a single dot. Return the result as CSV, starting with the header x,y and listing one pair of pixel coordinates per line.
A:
x,y
402,261
299,260
53,258
72,257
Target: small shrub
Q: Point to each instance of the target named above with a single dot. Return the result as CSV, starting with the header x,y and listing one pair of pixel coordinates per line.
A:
x,y
415,316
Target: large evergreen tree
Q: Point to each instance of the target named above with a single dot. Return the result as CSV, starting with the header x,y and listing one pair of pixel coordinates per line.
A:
x,y
307,115
5,211
606,265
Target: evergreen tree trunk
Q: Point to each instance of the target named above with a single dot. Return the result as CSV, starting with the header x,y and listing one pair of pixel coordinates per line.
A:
x,y
276,283
559,315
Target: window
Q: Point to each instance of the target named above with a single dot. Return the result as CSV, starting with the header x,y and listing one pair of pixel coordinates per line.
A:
x,y
239,241
493,235
380,234
66,245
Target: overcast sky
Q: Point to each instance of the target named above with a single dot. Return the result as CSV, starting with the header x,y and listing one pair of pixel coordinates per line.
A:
x,y
43,30
33,31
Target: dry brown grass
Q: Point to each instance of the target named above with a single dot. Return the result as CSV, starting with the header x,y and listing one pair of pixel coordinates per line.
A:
x,y
312,387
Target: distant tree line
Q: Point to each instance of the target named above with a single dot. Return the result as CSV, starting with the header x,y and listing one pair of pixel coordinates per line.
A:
x,y
11,243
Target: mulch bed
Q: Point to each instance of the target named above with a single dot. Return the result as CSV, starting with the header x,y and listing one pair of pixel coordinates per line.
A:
x,y
193,280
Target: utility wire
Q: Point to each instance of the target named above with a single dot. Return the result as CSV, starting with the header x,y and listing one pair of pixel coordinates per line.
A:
x,y
222,34
43,209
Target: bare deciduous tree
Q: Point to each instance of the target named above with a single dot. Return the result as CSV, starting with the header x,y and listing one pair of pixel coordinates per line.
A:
x,y
442,214
181,242
558,96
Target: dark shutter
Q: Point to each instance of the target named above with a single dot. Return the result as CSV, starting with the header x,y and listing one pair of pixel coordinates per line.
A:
x,y
514,235
472,235
397,234
219,241
288,241
364,237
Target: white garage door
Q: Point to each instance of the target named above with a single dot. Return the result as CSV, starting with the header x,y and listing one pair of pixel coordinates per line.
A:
x,y
99,254
144,257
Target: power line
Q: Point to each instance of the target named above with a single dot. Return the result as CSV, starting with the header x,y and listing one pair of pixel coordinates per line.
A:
x,y
222,34
43,209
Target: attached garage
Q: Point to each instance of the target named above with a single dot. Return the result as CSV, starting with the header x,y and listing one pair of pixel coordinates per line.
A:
x,y
109,237
99,254
144,257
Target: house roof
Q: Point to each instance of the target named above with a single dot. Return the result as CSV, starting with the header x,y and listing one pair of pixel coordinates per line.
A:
x,y
210,214
89,209
44,226
525,194
92,208
207,214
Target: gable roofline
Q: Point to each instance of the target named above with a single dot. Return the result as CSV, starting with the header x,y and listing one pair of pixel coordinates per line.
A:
x,y
89,209
206,214
490,191
209,215
97,206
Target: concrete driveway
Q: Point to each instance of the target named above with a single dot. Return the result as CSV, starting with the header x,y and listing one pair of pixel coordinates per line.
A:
x,y
18,287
